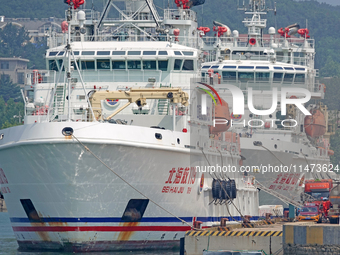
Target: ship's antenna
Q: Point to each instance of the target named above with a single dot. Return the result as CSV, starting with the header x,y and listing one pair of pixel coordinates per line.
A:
x,y
275,16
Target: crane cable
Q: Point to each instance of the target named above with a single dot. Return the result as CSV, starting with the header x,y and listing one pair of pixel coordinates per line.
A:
x,y
142,194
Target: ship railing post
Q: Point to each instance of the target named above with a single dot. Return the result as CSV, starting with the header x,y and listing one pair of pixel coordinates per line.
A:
x,y
174,117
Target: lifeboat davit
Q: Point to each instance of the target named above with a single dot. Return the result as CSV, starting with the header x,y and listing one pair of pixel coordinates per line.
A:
x,y
222,118
315,124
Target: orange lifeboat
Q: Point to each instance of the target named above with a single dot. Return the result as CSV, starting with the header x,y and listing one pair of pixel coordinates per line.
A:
x,y
315,124
222,118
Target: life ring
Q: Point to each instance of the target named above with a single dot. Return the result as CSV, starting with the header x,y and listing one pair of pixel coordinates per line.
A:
x,y
252,41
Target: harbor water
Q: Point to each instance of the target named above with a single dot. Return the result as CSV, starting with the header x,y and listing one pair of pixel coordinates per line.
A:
x,y
9,246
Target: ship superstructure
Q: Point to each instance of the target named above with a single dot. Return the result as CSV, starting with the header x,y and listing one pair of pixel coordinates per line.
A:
x,y
113,136
281,149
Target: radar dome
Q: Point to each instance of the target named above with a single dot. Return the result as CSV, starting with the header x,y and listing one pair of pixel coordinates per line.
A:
x,y
81,16
271,31
235,33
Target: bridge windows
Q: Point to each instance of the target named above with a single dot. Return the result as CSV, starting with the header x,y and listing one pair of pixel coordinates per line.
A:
x,y
178,64
262,77
103,64
87,53
134,64
188,65
228,76
149,65
52,65
149,53
277,77
163,65
118,64
288,78
134,53
245,76
299,77
103,53
118,53
87,65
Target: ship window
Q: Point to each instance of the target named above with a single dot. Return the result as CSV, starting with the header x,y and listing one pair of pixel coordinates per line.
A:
x,y
53,53
277,77
299,77
52,65
117,53
149,64
118,65
60,62
103,53
163,65
188,53
206,67
229,76
262,67
231,67
278,68
244,77
87,65
178,64
149,53
134,210
262,76
103,64
299,69
61,53
288,68
134,64
215,66
162,53
87,53
289,77
134,53
245,67
178,53
188,65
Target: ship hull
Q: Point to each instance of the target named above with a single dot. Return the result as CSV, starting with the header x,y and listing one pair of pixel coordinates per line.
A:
x,y
282,171
61,197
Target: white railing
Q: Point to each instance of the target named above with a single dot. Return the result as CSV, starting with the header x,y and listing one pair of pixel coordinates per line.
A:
x,y
293,42
174,14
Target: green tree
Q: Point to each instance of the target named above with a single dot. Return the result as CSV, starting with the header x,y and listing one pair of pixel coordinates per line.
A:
x,y
335,146
8,89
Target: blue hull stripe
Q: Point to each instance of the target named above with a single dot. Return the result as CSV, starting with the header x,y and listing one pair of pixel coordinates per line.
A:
x,y
145,219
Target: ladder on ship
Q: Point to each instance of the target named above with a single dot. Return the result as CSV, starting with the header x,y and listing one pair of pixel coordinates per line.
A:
x,y
59,99
163,104
278,195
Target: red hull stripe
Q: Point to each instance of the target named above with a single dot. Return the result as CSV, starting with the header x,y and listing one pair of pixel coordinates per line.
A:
x,y
99,228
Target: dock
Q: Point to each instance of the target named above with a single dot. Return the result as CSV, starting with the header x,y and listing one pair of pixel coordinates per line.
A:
x,y
282,238
267,238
